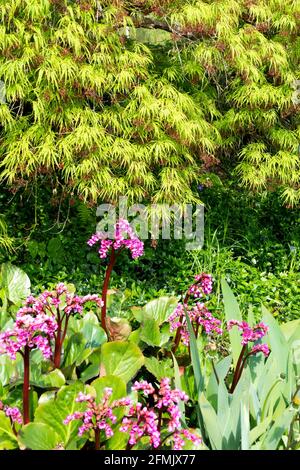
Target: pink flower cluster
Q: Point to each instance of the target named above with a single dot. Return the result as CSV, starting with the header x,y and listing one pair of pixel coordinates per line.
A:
x,y
124,236
250,335
29,330
59,299
97,416
141,421
203,285
199,316
12,412
145,421
36,321
179,438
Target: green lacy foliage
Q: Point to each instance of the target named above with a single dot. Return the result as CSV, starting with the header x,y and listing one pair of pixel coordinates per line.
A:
x,y
144,98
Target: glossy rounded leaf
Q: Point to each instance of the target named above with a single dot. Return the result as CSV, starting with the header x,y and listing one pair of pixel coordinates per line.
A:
x,y
122,359
39,436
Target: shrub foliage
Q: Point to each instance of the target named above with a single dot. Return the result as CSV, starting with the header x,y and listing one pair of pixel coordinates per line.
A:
x,y
145,98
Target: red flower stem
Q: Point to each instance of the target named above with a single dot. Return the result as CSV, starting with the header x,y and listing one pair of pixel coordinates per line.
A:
x,y
59,340
26,385
57,348
178,332
243,365
109,269
97,439
237,372
64,332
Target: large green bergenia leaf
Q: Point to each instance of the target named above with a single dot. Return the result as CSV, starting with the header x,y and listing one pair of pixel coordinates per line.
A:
x,y
158,309
15,282
122,359
86,335
39,436
54,411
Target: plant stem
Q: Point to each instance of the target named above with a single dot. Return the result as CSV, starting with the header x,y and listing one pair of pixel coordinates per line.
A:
x,y
109,268
97,439
237,374
26,385
57,349
178,331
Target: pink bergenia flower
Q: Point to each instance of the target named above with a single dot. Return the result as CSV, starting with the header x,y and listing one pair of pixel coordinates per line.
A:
x,y
264,348
12,412
59,299
29,330
141,421
250,335
203,285
180,436
124,236
145,420
97,416
199,316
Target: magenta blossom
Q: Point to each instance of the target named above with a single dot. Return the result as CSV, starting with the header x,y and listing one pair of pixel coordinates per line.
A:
x,y
264,348
124,236
199,317
203,285
250,335
29,330
60,300
97,417
179,438
57,305
12,412
143,420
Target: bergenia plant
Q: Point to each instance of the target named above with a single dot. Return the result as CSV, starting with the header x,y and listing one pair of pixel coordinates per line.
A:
x,y
60,304
198,313
123,237
32,330
141,420
249,335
